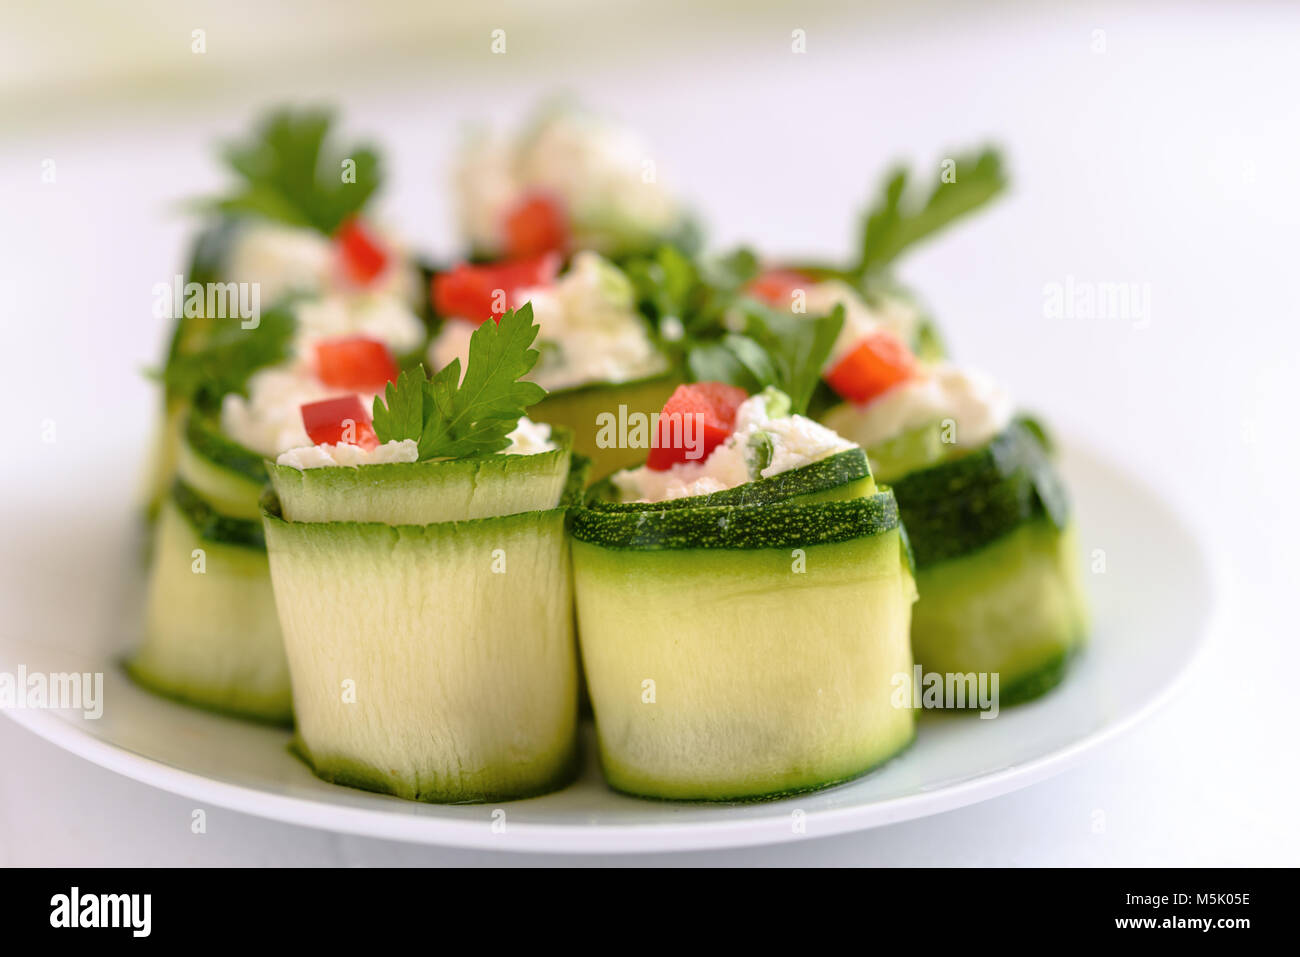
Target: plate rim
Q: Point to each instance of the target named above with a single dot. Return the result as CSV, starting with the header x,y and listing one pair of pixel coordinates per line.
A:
x,y
658,837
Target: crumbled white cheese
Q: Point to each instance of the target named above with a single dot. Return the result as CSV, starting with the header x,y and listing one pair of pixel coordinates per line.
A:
x,y
269,420
285,259
529,438
280,259
377,315
795,441
324,456
590,330
978,406
603,175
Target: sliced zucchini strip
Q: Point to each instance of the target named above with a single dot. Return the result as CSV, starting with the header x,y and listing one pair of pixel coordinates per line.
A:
x,y
842,476
423,493
580,409
433,662
212,637
227,475
1015,608
738,653
997,566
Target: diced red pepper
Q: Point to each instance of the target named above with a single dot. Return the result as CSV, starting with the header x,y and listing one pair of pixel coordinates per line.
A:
x,y
776,287
696,419
877,364
478,293
362,255
356,363
536,225
331,421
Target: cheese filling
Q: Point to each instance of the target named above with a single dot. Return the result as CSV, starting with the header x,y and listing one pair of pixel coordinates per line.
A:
x,y
767,440
528,438
976,406
591,330
602,175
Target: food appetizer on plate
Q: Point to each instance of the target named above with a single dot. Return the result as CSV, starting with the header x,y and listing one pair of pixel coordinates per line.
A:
x,y
798,495
986,513
598,355
422,576
295,224
567,182
743,605
211,634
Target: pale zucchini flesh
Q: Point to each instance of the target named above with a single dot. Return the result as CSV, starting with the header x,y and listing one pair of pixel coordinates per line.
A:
x,y
580,410
724,673
424,493
229,492
436,662
1014,608
212,637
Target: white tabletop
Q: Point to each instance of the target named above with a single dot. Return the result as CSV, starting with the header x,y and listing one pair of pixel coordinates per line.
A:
x,y
1161,153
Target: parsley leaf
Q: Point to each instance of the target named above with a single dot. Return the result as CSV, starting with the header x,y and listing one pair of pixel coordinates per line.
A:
x,y
899,219
777,349
692,296
798,346
288,174
451,418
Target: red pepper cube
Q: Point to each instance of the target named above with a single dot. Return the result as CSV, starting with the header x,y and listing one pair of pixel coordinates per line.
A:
x,y
481,292
341,420
363,256
877,364
695,420
536,225
355,363
777,287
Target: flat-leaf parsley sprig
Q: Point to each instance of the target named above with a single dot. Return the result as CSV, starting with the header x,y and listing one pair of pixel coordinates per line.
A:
x,y
449,417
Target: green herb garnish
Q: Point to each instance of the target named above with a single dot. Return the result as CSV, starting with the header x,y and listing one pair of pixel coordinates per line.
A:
x,y
776,349
899,218
288,174
759,454
449,418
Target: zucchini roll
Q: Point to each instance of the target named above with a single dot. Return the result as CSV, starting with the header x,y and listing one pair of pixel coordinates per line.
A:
x,y
989,523
742,618
424,587
212,637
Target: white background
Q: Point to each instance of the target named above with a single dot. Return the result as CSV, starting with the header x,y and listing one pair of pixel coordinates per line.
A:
x,y
1168,159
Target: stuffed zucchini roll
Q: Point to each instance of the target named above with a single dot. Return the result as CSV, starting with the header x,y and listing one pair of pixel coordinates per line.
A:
x,y
987,516
212,637
743,606
569,181
292,225
422,577
598,357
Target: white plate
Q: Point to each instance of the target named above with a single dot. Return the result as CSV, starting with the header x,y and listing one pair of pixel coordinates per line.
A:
x,y
1151,607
